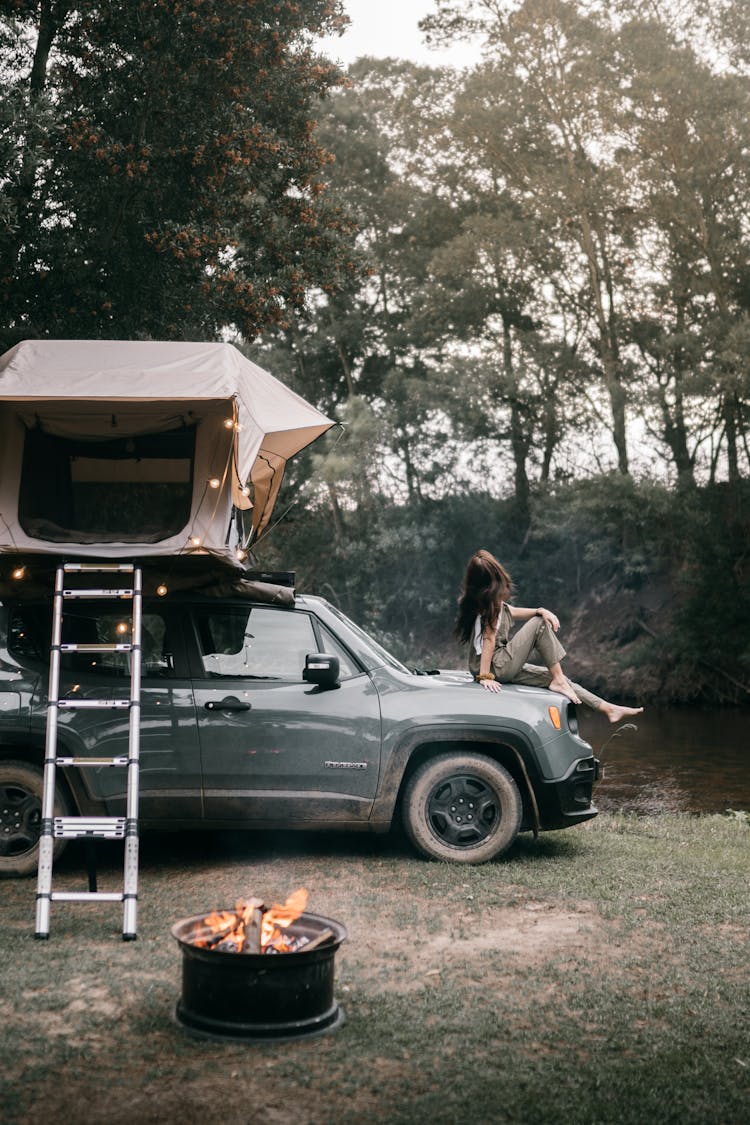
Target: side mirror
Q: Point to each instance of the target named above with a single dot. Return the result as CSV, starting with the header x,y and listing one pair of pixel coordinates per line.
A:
x,y
322,669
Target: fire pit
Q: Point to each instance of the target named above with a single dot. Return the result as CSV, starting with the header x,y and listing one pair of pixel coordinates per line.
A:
x,y
283,991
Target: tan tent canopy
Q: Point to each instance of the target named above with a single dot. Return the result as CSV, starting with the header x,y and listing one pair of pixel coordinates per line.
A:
x,y
101,421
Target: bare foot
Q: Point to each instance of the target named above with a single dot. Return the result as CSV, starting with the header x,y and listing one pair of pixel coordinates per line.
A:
x,y
563,687
615,713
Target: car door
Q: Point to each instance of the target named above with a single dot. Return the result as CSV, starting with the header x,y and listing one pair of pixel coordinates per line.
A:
x,y
275,749
170,787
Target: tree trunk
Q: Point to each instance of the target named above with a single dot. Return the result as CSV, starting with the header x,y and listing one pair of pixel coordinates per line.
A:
x,y
674,429
346,368
679,445
730,409
49,21
519,440
48,25
601,281
675,435
338,522
520,446
549,438
608,349
27,212
412,476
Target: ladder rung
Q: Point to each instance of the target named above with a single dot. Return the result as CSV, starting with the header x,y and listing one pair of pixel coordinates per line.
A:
x,y
101,568
102,827
112,647
87,896
91,761
82,704
119,593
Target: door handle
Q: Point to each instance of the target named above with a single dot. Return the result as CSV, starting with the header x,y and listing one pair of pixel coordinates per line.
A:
x,y
230,703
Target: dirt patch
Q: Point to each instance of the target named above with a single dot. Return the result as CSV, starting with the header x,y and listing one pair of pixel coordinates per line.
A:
x,y
530,933
87,1002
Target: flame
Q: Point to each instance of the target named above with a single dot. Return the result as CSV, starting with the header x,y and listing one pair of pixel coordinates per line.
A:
x,y
228,928
279,917
225,925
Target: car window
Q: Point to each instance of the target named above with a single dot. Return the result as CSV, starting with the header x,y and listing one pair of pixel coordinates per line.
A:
x,y
373,645
259,643
30,633
347,667
30,637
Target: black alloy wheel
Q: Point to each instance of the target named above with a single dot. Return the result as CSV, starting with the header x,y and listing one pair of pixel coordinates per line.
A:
x,y
21,787
465,808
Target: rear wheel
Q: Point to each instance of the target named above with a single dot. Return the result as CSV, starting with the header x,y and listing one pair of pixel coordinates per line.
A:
x,y
464,808
21,818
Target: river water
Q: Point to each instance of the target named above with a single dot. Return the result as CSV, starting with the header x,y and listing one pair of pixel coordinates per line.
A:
x,y
680,759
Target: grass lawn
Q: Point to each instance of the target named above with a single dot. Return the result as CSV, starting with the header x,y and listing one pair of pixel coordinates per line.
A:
x,y
595,975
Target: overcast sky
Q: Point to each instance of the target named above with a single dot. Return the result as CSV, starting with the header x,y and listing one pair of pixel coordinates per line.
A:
x,y
389,27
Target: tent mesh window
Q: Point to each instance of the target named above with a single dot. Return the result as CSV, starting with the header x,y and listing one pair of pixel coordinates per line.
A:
x,y
128,489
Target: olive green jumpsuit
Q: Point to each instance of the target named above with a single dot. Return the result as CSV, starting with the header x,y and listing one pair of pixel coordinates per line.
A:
x,y
509,660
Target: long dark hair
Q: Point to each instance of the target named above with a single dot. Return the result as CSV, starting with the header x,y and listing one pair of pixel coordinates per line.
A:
x,y
486,586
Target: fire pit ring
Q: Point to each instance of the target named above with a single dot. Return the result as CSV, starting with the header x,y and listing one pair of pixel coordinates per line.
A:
x,y
259,997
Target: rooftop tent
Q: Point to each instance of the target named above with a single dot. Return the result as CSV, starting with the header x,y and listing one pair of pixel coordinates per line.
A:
x,y
109,448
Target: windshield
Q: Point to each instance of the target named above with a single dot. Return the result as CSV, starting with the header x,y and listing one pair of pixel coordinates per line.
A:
x,y
372,644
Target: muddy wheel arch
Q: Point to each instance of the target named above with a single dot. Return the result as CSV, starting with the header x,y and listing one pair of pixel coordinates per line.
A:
x,y
508,749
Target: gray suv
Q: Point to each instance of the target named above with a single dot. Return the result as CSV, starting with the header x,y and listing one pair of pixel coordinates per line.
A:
x,y
281,716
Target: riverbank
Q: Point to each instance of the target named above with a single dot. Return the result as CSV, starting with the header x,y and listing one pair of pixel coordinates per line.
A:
x,y
631,645
598,974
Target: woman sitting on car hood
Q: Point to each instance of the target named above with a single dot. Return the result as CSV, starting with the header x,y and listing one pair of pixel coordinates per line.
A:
x,y
485,621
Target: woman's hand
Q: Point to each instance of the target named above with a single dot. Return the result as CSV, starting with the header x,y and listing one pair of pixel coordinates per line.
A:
x,y
549,618
491,685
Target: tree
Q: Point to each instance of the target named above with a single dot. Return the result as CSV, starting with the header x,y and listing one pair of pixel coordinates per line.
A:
x,y
684,133
162,173
365,340
531,119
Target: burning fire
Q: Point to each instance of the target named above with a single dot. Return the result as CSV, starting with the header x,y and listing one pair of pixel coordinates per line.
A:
x,y
253,928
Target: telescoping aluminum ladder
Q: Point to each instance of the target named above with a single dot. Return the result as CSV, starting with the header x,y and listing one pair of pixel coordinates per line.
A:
x,y
92,827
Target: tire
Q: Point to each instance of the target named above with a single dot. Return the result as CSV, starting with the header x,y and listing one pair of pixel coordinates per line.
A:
x,y
463,808
21,786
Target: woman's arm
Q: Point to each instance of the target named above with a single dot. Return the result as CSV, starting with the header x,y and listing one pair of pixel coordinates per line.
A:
x,y
518,613
486,677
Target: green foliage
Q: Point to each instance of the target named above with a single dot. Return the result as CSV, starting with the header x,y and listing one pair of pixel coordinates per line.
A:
x,y
161,173
713,579
372,339
554,248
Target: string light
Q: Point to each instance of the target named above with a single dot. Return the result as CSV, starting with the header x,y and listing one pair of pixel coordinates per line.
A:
x,y
121,628
241,554
18,573
214,484
161,591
